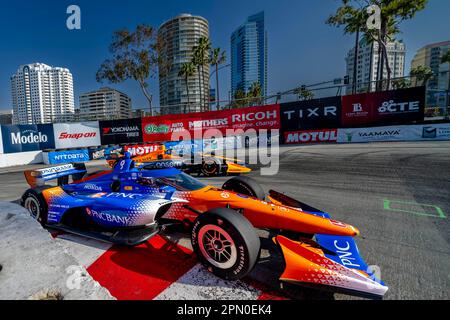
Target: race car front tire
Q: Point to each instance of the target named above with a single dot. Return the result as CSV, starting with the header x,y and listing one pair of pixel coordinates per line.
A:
x,y
35,203
226,243
211,167
245,186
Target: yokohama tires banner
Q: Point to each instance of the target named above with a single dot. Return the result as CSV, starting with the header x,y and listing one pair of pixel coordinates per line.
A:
x,y
390,107
257,118
121,131
77,135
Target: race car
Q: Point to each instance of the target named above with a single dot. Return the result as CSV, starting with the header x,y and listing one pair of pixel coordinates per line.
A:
x,y
130,204
207,165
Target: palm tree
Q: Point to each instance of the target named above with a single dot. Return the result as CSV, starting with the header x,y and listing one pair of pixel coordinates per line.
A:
x,y
200,59
304,94
446,57
218,57
254,93
187,70
422,73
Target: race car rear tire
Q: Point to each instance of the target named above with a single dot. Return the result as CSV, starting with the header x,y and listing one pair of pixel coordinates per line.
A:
x,y
246,186
35,203
226,243
211,167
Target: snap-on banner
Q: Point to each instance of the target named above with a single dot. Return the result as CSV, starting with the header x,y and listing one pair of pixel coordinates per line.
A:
x,y
383,108
163,128
121,131
25,138
311,115
77,135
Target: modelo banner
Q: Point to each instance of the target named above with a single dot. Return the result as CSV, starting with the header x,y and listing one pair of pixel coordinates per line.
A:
x,y
311,115
61,157
121,131
25,138
163,128
389,107
77,135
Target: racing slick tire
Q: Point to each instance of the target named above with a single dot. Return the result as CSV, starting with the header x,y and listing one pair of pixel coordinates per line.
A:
x,y
246,186
211,167
226,243
35,203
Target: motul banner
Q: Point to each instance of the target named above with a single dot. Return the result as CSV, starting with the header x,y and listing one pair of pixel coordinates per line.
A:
x,y
77,135
142,150
163,128
311,136
383,108
121,131
311,115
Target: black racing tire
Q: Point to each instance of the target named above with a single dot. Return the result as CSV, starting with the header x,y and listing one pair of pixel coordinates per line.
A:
x,y
246,186
211,167
35,203
226,243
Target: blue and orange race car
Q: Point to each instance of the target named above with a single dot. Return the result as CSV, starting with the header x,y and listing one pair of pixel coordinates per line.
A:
x,y
130,204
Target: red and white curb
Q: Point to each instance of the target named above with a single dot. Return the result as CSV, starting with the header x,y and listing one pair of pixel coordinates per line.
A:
x,y
156,270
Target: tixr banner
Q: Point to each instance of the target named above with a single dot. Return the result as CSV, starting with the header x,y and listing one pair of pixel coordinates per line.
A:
x,y
164,127
311,115
384,108
25,138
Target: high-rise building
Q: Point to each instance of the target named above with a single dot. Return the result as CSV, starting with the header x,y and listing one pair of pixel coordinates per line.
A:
x,y
180,35
105,104
367,65
42,94
6,118
438,86
249,55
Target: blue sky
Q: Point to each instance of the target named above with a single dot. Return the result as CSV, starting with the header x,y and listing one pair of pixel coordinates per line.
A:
x,y
302,49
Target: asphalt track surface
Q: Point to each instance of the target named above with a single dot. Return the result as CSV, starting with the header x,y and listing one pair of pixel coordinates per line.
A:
x,y
397,194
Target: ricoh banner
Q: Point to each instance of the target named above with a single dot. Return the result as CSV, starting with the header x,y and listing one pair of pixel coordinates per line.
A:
x,y
25,138
77,135
383,108
163,128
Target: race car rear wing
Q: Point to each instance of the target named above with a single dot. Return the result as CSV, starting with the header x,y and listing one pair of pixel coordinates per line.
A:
x,y
37,178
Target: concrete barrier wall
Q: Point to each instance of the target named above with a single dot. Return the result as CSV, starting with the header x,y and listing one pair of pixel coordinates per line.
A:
x,y
18,159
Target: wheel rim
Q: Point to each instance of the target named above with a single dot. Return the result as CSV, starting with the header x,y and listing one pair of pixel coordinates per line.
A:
x,y
217,247
32,206
210,168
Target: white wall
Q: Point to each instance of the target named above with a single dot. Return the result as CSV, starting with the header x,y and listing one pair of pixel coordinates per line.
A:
x,y
18,159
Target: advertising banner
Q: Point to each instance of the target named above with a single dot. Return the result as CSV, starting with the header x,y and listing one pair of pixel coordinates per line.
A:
x,y
311,136
77,135
399,133
25,138
142,150
61,157
121,131
311,115
162,128
390,107
431,132
1,142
